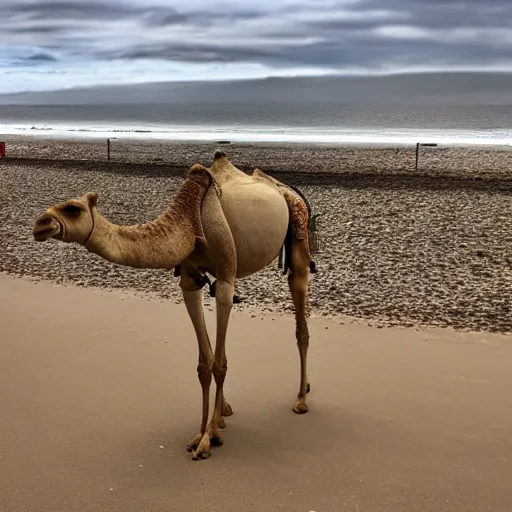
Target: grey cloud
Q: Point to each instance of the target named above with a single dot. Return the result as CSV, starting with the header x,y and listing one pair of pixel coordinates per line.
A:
x,y
34,59
370,52
49,29
42,57
94,10
451,13
198,18
178,52
157,15
173,17
434,33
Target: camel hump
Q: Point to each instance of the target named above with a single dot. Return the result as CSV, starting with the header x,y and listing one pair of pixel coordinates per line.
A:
x,y
218,154
201,172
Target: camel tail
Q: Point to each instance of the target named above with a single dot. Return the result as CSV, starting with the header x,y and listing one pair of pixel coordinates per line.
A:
x,y
285,254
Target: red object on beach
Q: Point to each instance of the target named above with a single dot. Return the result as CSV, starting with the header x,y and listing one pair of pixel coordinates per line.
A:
x,y
2,149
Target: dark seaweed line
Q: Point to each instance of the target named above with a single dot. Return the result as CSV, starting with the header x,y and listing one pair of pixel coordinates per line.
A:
x,y
387,180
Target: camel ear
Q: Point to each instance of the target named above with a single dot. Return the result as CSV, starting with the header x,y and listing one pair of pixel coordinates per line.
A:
x,y
92,199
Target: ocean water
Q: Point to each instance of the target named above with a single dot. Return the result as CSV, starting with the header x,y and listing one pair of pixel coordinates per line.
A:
x,y
445,109
315,123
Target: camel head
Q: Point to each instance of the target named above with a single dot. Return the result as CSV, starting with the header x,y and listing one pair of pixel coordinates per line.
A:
x,y
71,221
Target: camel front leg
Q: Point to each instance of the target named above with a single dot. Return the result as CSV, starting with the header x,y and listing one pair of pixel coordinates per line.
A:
x,y
298,281
222,251
224,304
193,298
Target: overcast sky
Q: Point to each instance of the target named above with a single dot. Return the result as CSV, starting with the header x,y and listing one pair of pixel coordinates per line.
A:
x,y
56,44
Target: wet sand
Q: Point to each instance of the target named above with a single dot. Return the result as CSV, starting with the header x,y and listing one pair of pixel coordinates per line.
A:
x,y
99,397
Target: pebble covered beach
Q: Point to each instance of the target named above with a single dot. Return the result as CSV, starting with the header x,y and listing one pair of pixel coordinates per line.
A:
x,y
398,246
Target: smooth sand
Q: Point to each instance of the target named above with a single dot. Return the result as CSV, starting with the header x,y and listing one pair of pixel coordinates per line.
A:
x,y
99,397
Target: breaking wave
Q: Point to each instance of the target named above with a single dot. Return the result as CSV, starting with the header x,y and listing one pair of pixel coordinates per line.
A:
x,y
242,133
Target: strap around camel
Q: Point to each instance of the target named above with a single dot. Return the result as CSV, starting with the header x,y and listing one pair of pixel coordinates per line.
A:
x,y
297,206
302,225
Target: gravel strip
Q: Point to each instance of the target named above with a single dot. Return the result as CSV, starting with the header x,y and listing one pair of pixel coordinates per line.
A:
x,y
477,162
400,254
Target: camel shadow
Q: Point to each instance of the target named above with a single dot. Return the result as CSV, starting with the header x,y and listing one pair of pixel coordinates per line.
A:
x,y
274,435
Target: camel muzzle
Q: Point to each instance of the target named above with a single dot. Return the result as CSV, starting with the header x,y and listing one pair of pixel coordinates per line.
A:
x,y
45,227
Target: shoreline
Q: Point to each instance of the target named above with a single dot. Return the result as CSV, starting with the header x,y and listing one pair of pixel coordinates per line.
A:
x,y
242,309
144,139
254,312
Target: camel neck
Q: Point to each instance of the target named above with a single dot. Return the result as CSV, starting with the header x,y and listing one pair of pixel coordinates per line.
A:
x,y
162,243
153,245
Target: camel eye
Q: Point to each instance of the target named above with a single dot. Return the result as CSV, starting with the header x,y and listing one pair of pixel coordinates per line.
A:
x,y
72,209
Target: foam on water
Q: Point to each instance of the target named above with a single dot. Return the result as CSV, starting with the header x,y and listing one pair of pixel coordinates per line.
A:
x,y
248,133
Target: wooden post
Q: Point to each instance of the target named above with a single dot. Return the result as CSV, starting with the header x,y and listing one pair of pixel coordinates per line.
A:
x,y
418,144
108,147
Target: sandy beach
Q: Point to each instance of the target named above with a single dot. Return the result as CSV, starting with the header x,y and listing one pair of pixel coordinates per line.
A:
x,y
409,359
373,376
99,397
398,246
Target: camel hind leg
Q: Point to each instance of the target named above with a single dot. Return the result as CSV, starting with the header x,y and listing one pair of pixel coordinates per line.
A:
x,y
298,281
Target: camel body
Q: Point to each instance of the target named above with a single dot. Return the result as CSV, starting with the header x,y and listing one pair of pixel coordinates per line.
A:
x,y
256,220
221,221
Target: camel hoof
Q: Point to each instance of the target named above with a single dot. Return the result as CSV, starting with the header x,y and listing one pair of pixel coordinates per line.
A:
x,y
203,447
194,443
200,455
227,410
216,440
300,407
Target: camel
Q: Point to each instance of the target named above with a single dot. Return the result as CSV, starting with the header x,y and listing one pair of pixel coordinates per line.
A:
x,y
221,221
